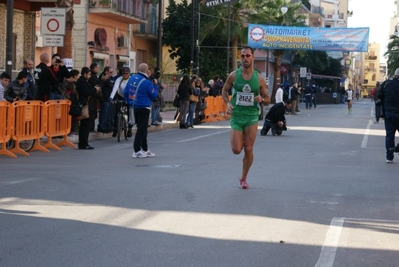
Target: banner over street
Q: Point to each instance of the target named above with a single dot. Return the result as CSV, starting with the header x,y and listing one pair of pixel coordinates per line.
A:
x,y
307,38
211,3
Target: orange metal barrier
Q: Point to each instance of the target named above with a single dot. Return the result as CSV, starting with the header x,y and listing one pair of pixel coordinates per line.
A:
x,y
27,118
57,122
216,109
5,128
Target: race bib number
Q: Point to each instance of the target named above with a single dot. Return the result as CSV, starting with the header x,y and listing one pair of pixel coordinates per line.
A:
x,y
245,99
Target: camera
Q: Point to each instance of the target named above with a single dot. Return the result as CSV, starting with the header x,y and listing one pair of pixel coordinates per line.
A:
x,y
58,61
155,75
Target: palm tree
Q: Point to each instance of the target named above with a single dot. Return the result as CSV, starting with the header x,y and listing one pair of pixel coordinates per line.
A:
x,y
393,55
269,13
218,24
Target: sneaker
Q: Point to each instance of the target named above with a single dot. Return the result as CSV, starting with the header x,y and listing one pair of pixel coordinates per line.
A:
x,y
149,154
389,161
243,183
394,149
139,154
263,132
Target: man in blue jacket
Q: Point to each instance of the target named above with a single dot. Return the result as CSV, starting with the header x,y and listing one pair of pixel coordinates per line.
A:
x,y
139,94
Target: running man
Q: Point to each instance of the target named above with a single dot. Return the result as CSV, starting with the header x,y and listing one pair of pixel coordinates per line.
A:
x,y
249,89
349,98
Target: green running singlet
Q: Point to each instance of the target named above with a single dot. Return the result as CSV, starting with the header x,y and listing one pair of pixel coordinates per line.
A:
x,y
244,93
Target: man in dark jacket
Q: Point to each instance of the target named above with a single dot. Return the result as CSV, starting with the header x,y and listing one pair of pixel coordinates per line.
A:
x,y
30,83
105,121
45,79
16,90
389,96
85,90
308,96
275,119
94,81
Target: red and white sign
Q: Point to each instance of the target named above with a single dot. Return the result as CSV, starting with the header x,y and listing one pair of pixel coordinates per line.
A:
x,y
53,21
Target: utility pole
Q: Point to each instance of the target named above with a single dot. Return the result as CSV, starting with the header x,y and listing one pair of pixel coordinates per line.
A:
x,y
192,37
9,36
159,47
228,41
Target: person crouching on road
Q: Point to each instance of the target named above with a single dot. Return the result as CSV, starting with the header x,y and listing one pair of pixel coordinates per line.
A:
x,y
139,93
275,118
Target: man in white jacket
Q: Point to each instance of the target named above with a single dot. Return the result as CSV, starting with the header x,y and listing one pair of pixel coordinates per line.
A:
x,y
279,94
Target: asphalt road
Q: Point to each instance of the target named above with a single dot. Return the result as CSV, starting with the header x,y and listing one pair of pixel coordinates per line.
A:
x,y
321,194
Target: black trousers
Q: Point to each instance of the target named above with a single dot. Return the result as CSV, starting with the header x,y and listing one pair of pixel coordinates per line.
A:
x,y
142,116
84,130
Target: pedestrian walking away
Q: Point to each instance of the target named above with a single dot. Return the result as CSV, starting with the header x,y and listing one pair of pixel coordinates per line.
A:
x,y
139,94
389,96
349,98
249,90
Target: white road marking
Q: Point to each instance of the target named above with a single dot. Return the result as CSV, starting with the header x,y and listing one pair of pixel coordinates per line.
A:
x,y
202,136
366,135
329,249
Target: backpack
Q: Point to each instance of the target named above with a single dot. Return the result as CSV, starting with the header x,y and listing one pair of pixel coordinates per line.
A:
x,y
285,96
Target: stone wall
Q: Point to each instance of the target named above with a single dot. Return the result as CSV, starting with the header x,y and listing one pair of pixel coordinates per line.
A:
x,y
24,30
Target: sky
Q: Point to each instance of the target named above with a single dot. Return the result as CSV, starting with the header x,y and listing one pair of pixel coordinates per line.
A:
x,y
373,14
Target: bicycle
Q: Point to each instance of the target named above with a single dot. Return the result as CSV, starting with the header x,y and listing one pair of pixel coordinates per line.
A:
x,y
25,145
121,125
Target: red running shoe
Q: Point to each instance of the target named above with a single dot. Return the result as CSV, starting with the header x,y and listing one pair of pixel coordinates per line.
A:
x,y
243,183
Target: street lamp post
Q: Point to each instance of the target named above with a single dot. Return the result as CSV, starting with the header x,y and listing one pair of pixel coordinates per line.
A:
x,y
9,36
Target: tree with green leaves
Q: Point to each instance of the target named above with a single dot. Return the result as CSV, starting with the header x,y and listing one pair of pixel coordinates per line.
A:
x,y
217,25
316,61
176,33
393,55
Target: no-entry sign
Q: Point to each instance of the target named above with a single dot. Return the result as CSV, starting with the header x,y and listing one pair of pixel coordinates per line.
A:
x,y
52,21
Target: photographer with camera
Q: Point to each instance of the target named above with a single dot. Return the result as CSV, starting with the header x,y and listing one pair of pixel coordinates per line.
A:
x,y
61,73
139,93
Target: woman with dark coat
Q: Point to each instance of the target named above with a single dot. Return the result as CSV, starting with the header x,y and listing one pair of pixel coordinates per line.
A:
x,y
184,91
85,90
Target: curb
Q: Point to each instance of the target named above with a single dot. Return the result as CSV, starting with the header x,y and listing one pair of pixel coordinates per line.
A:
x,y
97,136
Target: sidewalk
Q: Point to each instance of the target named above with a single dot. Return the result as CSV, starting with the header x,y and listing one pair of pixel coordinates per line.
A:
x,y
167,122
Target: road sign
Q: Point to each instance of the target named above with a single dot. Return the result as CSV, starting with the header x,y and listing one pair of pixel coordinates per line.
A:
x,y
52,21
53,40
302,71
211,3
308,75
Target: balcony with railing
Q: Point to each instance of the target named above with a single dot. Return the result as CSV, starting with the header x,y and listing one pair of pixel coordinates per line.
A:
x,y
126,11
331,15
318,10
147,30
306,4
